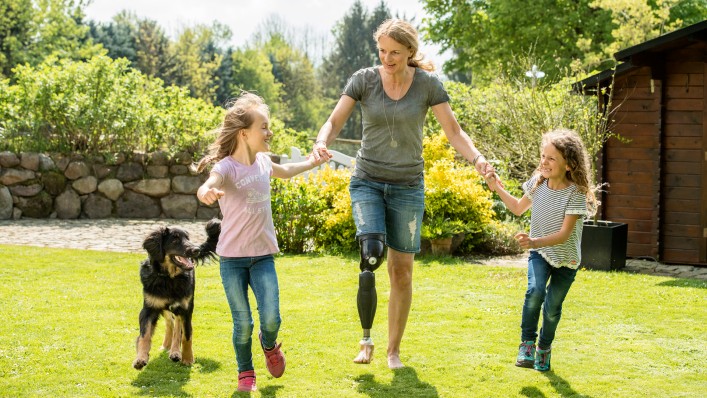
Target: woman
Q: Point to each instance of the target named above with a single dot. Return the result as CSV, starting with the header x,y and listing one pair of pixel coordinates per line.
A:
x,y
387,185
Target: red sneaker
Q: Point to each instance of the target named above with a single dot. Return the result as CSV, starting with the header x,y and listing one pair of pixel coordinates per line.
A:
x,y
274,358
246,381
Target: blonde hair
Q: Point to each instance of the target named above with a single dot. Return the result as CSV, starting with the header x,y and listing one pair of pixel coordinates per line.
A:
x,y
570,145
238,116
406,34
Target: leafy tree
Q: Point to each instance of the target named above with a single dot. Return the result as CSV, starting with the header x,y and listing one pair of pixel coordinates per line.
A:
x,y
196,60
32,30
15,32
354,49
152,50
118,36
486,35
251,70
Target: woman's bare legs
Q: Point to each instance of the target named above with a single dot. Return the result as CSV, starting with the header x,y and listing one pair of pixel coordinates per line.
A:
x,y
400,273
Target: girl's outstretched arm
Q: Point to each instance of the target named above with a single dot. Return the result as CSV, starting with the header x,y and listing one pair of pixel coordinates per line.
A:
x,y
288,170
515,205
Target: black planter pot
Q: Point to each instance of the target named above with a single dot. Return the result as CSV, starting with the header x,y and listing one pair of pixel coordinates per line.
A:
x,y
604,245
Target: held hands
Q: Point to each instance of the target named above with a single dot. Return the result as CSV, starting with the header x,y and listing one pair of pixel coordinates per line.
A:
x,y
525,241
210,196
320,153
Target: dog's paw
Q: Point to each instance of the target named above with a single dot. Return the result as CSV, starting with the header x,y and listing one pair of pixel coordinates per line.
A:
x,y
139,363
188,361
175,356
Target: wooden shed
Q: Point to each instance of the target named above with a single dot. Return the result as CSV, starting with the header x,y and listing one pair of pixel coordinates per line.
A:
x,y
658,178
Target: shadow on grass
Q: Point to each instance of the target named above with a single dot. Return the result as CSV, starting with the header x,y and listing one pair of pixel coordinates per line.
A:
x,y
269,391
700,284
560,385
162,377
405,383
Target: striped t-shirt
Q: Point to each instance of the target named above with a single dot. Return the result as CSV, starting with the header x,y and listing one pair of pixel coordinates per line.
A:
x,y
548,211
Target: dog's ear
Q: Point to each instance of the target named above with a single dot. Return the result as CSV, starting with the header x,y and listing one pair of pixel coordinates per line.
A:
x,y
153,243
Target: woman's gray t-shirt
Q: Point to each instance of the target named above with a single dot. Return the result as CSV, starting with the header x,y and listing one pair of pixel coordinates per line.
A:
x,y
392,151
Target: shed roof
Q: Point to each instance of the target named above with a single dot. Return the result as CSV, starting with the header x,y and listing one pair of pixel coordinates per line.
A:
x,y
647,53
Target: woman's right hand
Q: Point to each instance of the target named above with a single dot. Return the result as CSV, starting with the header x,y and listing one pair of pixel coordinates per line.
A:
x,y
320,151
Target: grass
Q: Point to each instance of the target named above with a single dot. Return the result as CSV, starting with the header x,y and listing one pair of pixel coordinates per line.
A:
x,y
70,323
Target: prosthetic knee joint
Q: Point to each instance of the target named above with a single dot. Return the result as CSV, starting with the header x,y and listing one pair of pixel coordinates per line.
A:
x,y
372,248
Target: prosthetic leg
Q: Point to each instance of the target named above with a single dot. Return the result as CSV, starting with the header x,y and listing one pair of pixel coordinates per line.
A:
x,y
372,249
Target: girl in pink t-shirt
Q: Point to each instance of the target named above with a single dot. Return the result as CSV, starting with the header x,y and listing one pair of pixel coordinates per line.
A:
x,y
240,181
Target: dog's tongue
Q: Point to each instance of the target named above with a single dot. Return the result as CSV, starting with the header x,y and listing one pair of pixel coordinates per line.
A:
x,y
186,261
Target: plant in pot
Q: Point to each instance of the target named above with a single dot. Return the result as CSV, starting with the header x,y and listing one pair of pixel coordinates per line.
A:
x,y
440,231
603,242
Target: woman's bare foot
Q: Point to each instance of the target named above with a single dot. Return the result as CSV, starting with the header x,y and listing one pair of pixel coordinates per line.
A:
x,y
394,362
366,353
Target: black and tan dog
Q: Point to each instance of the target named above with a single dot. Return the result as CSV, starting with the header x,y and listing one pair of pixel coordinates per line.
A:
x,y
167,277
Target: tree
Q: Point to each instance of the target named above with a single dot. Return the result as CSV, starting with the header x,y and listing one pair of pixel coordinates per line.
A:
x,y
152,55
486,35
33,30
15,32
301,93
196,60
354,49
251,70
118,36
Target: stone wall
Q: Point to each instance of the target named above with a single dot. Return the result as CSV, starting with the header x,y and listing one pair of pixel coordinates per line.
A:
x,y
138,185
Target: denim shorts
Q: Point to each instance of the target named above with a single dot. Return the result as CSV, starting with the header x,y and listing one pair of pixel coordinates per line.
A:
x,y
394,210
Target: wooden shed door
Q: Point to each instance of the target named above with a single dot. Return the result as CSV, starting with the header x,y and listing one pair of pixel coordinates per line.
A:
x,y
703,244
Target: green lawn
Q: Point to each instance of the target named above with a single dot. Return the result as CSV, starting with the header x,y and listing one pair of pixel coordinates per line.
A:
x,y
70,323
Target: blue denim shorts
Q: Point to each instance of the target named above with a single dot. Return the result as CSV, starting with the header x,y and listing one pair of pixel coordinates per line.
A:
x,y
394,210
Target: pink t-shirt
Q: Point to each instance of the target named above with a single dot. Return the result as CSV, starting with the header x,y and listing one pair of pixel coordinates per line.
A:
x,y
247,228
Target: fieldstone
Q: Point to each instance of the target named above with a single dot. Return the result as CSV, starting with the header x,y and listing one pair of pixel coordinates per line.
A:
x,y
29,161
8,159
39,206
185,184
157,171
207,213
183,158
46,163
112,188
26,190
76,170
140,157
102,171
54,182
179,169
85,185
159,158
129,171
14,176
96,206
16,213
135,205
155,187
179,206
61,161
6,204
68,205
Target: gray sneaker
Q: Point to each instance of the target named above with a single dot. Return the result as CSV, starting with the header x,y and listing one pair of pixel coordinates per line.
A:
x,y
526,354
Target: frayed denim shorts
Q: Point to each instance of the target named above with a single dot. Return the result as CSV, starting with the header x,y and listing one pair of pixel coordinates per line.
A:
x,y
394,210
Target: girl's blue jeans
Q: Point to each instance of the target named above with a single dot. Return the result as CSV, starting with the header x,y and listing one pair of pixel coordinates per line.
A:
x,y
237,273
549,296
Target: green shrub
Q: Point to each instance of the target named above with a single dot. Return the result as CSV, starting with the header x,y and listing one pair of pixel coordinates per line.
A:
x,y
296,209
338,234
97,106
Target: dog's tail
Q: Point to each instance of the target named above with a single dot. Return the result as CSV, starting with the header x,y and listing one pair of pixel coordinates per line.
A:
x,y
207,250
